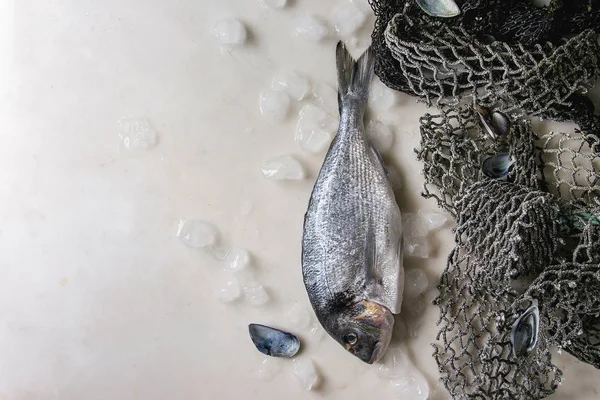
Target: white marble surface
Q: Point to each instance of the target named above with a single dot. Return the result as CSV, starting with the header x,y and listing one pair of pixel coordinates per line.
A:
x,y
98,297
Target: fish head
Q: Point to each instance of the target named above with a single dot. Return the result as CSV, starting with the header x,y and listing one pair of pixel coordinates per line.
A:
x,y
364,329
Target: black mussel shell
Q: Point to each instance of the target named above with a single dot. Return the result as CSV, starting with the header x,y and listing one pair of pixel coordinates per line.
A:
x,y
498,165
439,8
273,342
485,118
500,123
524,335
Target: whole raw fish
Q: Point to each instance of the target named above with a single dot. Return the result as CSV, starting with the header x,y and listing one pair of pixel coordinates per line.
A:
x,y
352,242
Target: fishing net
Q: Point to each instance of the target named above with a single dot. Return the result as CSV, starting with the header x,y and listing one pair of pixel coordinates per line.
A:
x,y
533,237
475,355
444,61
530,239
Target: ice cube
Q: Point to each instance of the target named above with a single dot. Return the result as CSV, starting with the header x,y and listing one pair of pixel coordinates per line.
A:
x,y
394,364
231,291
137,133
230,32
363,5
293,84
312,113
282,168
330,124
256,295
237,259
317,332
305,373
219,252
415,283
276,4
298,316
400,332
415,240
313,140
326,98
432,220
412,225
196,233
309,134
414,307
269,368
417,246
414,329
310,27
246,277
381,136
347,18
274,105
380,96
412,386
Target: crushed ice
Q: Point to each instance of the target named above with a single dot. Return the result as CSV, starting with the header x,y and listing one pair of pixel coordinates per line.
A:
x,y
416,243
414,307
230,291
310,133
317,332
305,373
269,368
347,18
326,97
294,85
282,168
137,133
309,27
394,364
196,233
406,381
276,4
412,386
274,104
298,316
433,220
230,32
256,295
237,259
380,135
415,283
380,96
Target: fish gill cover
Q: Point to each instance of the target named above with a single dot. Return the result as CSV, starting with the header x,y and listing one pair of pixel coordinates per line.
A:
x,y
531,238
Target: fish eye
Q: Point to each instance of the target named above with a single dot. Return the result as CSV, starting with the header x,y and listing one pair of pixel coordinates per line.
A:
x,y
351,339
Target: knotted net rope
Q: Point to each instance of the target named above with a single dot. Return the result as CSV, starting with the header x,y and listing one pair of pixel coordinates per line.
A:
x,y
531,238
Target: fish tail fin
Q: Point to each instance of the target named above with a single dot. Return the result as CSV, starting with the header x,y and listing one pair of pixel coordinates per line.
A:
x,y
354,77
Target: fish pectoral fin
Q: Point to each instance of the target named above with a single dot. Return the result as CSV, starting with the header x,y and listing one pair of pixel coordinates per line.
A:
x,y
373,274
384,282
